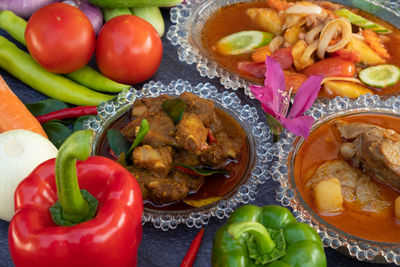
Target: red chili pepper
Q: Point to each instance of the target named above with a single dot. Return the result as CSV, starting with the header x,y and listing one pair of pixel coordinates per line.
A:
x,y
191,254
211,138
186,170
68,113
74,231
113,154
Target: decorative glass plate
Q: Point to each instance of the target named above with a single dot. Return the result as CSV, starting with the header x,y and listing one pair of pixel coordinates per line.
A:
x,y
259,140
190,18
288,194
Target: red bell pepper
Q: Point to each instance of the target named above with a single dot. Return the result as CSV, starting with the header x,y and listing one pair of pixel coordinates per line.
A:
x,y
81,234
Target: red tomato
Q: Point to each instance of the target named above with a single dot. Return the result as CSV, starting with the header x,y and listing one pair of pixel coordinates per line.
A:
x,y
60,38
284,57
330,67
128,49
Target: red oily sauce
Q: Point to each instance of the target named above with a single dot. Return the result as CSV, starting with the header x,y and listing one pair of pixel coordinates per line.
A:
x,y
323,145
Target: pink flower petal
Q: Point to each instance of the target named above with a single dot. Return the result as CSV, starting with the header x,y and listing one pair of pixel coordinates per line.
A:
x,y
300,126
266,97
305,96
275,79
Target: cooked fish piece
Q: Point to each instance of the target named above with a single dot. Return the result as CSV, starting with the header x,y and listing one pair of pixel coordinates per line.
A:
x,y
373,148
357,187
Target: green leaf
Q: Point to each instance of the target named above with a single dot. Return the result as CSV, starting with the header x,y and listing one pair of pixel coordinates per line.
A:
x,y
144,128
57,132
117,141
198,171
45,106
276,253
79,122
174,108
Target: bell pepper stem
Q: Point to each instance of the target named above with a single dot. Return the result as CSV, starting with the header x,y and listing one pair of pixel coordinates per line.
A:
x,y
264,242
74,207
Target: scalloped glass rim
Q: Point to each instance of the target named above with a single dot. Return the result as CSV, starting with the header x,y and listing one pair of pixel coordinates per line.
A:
x,y
258,134
288,194
189,19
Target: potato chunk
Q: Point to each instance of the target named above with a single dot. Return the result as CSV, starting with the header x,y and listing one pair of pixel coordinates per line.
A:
x,y
397,208
328,196
368,55
266,18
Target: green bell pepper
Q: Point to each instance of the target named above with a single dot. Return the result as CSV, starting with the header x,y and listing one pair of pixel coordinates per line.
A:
x,y
266,236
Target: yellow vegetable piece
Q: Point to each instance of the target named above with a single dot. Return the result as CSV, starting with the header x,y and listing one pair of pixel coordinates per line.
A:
x,y
292,34
297,53
368,55
328,196
260,54
343,88
197,203
268,19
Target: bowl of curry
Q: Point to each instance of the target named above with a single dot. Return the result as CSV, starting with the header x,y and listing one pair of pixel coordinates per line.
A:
x,y
344,179
353,47
198,164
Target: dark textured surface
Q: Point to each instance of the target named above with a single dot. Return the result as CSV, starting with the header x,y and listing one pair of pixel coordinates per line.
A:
x,y
160,248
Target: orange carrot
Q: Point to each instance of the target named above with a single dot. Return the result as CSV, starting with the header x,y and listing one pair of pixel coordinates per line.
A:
x,y
375,43
278,4
260,54
14,114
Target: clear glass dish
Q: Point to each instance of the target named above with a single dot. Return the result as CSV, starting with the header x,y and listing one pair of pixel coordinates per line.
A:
x,y
259,141
282,171
190,18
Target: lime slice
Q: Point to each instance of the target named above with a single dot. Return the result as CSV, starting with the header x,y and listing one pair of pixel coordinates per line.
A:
x,y
380,76
360,21
243,42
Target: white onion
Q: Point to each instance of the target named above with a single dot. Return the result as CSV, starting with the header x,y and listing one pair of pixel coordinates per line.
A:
x,y
308,52
20,152
304,8
276,43
312,34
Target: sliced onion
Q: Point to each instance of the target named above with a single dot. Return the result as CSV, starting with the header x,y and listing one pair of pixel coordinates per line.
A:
x,y
292,20
308,52
312,34
24,8
276,43
93,13
330,30
304,8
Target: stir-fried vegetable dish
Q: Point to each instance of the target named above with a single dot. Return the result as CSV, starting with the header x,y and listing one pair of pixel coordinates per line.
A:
x,y
347,171
182,149
355,52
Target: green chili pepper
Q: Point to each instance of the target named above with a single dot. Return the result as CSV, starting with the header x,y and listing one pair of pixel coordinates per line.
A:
x,y
174,108
110,13
144,128
266,236
21,65
85,76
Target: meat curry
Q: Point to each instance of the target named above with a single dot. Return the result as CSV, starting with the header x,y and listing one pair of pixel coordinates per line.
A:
x,y
205,138
359,156
352,49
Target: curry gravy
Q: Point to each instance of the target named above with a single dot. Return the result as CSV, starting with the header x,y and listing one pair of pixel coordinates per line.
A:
x,y
322,145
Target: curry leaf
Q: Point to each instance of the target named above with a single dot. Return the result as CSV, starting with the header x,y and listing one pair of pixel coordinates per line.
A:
x,y
174,108
197,171
45,106
144,128
117,141
57,132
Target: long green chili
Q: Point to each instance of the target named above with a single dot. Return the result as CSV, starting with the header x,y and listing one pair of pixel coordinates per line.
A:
x,y
22,66
85,76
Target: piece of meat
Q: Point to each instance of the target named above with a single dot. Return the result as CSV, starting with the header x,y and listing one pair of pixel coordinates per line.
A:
x,y
357,187
191,133
193,183
158,160
203,107
373,148
183,156
161,131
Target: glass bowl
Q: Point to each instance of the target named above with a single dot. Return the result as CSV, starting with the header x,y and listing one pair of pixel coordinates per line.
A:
x,y
288,194
190,18
259,140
